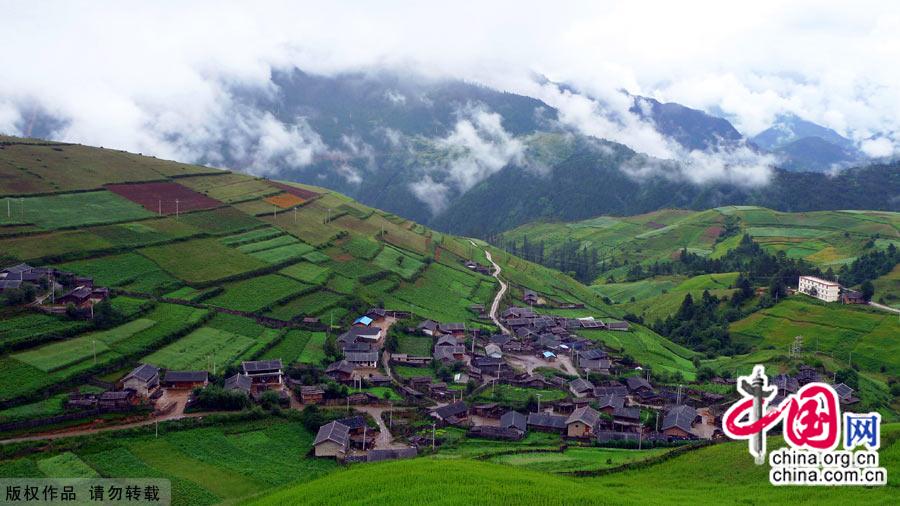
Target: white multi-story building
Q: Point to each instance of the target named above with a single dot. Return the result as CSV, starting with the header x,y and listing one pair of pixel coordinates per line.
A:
x,y
829,291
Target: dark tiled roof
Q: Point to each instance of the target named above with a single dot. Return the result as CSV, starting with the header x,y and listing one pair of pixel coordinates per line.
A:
x,y
592,354
611,401
547,420
513,419
183,376
341,366
637,382
353,422
238,382
446,341
143,372
681,417
334,431
452,327
581,385
843,390
427,325
586,415
256,366
455,409
627,413
365,356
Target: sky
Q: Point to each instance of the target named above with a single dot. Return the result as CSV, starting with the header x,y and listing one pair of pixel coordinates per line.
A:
x,y
156,77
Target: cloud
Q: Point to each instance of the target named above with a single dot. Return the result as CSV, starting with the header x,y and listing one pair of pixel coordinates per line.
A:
x,y
105,71
878,148
477,147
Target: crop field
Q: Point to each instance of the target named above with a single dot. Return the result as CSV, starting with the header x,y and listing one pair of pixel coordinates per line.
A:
x,y
832,328
164,198
295,189
516,397
229,186
394,260
405,371
361,248
201,260
39,169
257,293
262,245
226,220
114,270
50,406
35,326
414,345
647,348
314,350
76,210
353,268
289,348
306,305
260,234
310,227
285,200
576,459
207,465
429,294
307,272
281,254
199,349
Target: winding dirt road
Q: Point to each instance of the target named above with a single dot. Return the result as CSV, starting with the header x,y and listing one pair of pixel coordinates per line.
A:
x,y
495,305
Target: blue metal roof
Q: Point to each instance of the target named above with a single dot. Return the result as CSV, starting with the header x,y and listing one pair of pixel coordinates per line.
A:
x,y
365,320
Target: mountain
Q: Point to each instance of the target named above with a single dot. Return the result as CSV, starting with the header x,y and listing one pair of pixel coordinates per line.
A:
x,y
692,128
815,154
788,128
589,182
462,157
802,145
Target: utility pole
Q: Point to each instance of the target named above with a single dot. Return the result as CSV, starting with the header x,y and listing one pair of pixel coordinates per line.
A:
x,y
657,421
539,402
391,415
365,431
94,347
274,212
176,208
8,210
640,434
433,427
295,215
160,207
156,423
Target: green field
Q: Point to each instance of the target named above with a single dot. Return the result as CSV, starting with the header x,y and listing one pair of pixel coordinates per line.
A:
x,y
414,345
727,476
257,293
200,349
576,459
313,352
838,330
207,464
26,327
123,270
290,347
307,272
77,210
310,304
201,260
647,348
516,397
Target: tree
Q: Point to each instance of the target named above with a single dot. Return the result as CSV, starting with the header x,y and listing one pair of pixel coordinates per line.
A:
x,y
106,316
867,289
392,343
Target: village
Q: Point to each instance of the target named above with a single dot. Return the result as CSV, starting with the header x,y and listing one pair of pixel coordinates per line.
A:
x,y
550,380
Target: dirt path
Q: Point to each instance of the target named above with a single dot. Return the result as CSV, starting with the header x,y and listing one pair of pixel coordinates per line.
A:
x,y
531,362
95,430
883,307
384,440
495,305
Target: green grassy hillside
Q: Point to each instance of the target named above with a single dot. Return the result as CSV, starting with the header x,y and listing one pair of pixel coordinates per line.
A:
x,y
720,474
825,238
286,251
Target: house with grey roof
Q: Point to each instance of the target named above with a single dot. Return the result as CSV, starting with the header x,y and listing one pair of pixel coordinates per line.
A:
x,y
332,440
583,422
679,422
143,379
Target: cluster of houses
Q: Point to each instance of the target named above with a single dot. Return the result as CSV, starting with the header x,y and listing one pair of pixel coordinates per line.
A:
x,y
81,293
146,384
788,384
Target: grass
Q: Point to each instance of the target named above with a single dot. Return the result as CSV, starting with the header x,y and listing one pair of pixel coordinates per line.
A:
x,y
309,304
283,253
727,476
78,209
648,348
517,397
576,459
260,234
314,350
830,328
414,345
290,347
307,272
25,327
117,270
257,293
199,349
394,260
206,465
201,260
